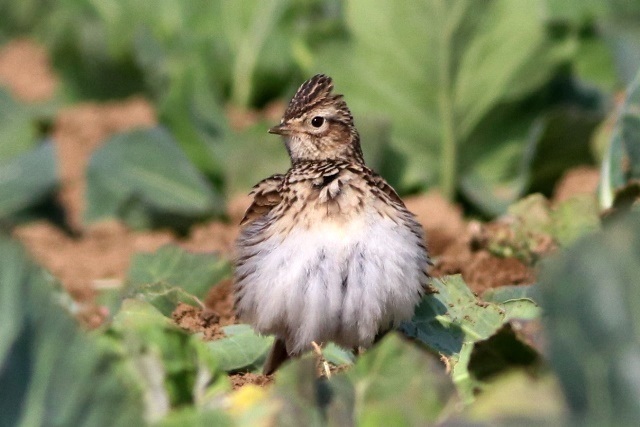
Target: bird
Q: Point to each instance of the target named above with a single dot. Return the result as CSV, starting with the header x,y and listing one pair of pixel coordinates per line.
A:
x,y
327,252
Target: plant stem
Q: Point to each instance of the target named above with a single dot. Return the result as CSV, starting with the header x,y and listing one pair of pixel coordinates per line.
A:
x,y
448,152
448,148
264,19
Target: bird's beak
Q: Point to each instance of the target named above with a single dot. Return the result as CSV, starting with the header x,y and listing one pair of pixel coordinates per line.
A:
x,y
281,129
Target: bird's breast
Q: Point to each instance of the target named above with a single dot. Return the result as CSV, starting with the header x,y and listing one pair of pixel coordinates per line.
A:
x,y
338,205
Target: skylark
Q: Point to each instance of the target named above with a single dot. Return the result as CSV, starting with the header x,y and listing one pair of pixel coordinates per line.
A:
x,y
327,251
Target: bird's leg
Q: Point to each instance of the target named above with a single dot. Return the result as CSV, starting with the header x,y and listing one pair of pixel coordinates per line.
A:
x,y
317,349
277,356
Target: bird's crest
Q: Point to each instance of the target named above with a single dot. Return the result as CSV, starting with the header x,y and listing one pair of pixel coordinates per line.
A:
x,y
314,93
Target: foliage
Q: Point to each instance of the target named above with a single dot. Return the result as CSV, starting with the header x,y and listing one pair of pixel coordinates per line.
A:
x,y
472,107
621,165
516,399
17,127
533,226
591,299
385,396
21,155
52,372
241,349
453,76
168,369
564,222
171,367
260,154
144,178
195,273
187,56
179,377
20,188
367,395
490,102
453,320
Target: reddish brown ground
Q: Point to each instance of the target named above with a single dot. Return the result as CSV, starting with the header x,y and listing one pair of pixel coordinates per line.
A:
x,y
25,70
101,253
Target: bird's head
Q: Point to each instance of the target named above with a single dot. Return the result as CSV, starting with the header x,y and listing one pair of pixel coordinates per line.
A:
x,y
318,125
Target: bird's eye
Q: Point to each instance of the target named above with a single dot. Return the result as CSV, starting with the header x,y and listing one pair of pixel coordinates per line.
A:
x,y
317,121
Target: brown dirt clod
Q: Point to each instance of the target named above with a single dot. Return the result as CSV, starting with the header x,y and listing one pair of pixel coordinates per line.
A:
x,y
244,378
442,221
195,320
220,301
579,180
25,70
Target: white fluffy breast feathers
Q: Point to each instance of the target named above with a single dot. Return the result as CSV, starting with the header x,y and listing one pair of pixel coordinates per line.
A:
x,y
336,281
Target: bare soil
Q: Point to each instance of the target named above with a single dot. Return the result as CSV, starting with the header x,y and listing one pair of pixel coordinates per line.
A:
x,y
25,71
102,252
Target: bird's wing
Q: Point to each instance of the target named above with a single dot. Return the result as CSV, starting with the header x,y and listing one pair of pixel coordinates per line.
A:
x,y
385,188
266,195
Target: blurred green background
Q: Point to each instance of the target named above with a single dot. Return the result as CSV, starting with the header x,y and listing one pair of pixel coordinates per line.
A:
x,y
486,101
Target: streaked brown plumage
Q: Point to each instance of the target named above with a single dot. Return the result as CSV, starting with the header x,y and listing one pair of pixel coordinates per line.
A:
x,y
328,251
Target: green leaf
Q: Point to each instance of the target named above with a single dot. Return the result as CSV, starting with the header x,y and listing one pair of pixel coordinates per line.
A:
x,y
168,363
164,297
252,26
565,222
197,417
503,294
612,176
591,300
583,20
452,316
452,320
27,179
533,226
575,12
459,61
241,349
301,394
190,108
17,127
22,17
621,34
622,162
594,64
196,273
574,218
500,157
143,177
15,274
518,398
51,371
563,142
396,383
305,399
21,156
168,53
519,302
338,355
